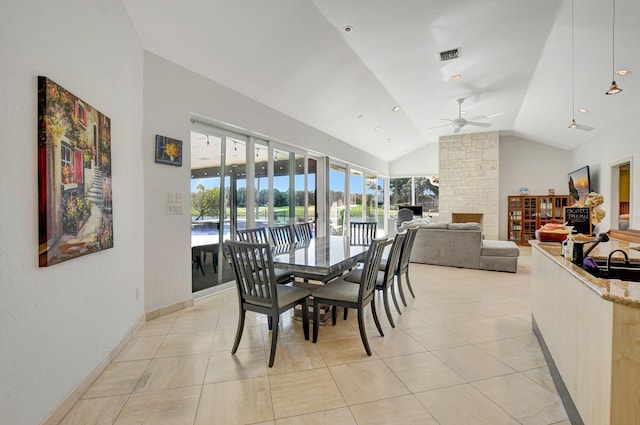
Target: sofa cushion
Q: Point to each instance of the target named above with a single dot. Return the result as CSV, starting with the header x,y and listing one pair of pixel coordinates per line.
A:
x,y
491,248
464,226
436,226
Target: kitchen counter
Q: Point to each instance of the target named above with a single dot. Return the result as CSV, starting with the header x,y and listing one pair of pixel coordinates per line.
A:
x,y
589,330
618,291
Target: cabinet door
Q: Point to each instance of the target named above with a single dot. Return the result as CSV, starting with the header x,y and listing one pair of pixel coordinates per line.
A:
x,y
530,218
514,228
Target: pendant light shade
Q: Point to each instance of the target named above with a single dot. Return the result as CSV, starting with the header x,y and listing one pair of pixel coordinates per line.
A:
x,y
613,89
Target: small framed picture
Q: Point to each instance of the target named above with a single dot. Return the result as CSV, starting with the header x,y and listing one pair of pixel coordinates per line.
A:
x,y
168,151
552,192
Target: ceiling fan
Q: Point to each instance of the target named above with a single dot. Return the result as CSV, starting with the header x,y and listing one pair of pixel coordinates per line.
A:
x,y
459,122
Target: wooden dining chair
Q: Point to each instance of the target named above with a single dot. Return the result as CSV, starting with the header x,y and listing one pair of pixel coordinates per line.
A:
x,y
386,275
362,233
258,291
403,264
302,231
259,235
353,295
281,235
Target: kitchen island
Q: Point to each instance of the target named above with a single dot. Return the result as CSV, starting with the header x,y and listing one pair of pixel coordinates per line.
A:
x,y
589,328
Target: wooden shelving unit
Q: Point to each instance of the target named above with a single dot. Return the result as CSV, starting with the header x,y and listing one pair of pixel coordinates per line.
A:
x,y
527,213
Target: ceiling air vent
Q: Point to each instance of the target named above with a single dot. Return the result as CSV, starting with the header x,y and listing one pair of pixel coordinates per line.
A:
x,y
448,55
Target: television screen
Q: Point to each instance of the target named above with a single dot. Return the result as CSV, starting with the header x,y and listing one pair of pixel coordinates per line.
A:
x,y
417,209
579,184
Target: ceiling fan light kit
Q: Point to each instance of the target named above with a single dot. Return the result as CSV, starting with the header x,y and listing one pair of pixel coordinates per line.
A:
x,y
460,122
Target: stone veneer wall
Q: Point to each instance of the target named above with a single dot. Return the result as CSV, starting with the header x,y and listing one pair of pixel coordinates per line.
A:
x,y
469,178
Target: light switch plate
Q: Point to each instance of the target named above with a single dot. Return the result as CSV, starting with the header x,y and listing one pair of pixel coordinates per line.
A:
x,y
174,209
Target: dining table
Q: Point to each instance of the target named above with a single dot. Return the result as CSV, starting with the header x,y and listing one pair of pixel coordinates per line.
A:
x,y
321,259
318,261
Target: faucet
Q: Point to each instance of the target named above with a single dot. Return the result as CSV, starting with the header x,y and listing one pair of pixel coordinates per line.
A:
x,y
626,258
602,237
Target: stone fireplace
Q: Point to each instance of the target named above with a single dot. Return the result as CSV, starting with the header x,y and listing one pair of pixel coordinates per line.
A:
x,y
469,184
467,217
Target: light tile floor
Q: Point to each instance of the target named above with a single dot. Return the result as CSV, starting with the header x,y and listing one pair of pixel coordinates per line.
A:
x,y
462,353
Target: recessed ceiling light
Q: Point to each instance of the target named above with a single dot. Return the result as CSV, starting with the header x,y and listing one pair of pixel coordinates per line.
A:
x,y
395,108
347,28
456,76
583,110
377,129
623,72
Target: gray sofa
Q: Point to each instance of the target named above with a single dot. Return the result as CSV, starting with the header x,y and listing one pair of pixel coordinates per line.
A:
x,y
461,245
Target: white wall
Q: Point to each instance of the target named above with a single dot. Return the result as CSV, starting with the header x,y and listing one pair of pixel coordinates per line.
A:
x,y
57,323
421,162
524,163
172,95
612,145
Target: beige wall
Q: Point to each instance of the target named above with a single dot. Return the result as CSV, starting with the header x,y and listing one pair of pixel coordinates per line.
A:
x,y
469,174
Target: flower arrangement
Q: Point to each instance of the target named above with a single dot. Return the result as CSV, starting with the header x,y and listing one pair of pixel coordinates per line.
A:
x,y
75,210
172,150
104,234
67,173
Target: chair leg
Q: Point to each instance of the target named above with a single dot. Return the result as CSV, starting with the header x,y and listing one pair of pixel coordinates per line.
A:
x,y
239,331
334,315
395,299
385,298
363,332
305,318
270,322
404,301
274,340
346,310
409,284
316,317
375,316
199,265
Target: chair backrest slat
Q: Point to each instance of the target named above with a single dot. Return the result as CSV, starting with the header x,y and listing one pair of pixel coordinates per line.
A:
x,y
362,233
405,255
394,258
371,265
303,231
281,235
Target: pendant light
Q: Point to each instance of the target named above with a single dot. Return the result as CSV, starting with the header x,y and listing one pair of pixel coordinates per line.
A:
x,y
614,89
573,78
574,124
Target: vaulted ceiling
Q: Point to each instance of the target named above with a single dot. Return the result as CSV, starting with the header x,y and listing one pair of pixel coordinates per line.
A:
x,y
515,63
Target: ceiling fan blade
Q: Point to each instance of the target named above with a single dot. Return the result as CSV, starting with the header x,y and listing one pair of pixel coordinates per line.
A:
x,y
440,126
477,117
584,127
479,124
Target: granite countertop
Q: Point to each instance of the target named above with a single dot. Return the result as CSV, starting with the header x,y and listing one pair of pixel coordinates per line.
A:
x,y
615,290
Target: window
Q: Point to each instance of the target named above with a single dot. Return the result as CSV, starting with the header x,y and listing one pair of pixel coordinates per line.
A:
x,y
406,191
81,113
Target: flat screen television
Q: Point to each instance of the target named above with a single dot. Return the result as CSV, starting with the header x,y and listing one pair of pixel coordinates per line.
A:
x,y
417,209
579,184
